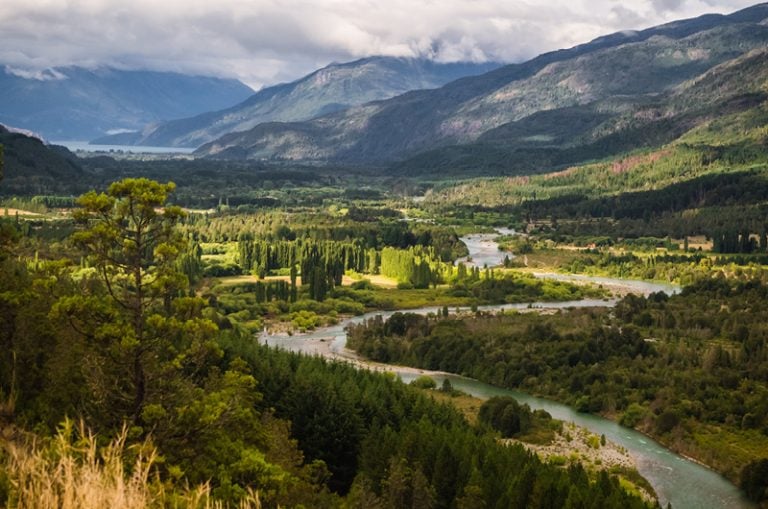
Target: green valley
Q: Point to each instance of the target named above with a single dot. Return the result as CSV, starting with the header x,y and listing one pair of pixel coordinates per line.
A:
x,y
402,283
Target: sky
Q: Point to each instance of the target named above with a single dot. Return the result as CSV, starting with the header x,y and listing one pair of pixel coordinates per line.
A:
x,y
264,42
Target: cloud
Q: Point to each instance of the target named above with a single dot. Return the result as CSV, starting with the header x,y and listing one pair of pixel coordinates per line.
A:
x,y
36,74
267,41
667,5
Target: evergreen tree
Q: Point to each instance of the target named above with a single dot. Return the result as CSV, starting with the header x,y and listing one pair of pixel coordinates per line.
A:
x,y
134,248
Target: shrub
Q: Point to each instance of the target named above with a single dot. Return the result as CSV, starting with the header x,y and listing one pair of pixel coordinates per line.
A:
x,y
424,382
305,320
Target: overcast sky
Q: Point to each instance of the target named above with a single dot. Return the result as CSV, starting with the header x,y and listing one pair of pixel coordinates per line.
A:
x,y
263,42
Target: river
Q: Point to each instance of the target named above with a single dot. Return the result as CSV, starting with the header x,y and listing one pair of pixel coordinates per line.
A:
x,y
683,483
483,250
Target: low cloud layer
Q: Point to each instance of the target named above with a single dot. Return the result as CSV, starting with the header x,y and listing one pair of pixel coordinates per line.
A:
x,y
263,42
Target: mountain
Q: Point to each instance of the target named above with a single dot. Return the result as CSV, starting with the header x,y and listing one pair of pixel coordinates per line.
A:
x,y
31,167
560,93
332,88
74,103
565,136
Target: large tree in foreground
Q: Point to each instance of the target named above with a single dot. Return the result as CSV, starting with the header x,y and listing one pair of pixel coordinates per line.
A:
x,y
152,359
128,234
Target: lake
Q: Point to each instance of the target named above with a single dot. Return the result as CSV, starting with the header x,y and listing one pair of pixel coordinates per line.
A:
x,y
84,146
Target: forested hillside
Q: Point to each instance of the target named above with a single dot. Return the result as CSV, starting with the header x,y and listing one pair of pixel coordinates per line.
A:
x,y
711,179
34,168
608,128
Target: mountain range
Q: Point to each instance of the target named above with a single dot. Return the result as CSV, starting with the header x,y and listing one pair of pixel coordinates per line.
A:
x,y
561,107
333,88
613,95
75,103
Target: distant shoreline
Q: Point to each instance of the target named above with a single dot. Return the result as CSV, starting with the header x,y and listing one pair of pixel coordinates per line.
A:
x,y
84,146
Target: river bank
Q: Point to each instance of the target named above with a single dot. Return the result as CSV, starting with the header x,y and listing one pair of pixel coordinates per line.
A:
x,y
575,444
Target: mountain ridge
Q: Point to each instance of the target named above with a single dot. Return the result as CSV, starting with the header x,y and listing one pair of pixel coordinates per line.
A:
x,y
326,90
461,111
549,140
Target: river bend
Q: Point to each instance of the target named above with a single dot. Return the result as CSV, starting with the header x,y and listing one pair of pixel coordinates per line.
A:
x,y
682,482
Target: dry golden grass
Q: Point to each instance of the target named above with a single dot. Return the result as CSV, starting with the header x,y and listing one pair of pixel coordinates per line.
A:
x,y
464,403
248,278
376,279
73,472
13,212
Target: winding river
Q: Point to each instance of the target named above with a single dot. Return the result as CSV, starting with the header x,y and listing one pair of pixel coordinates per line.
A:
x,y
683,483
